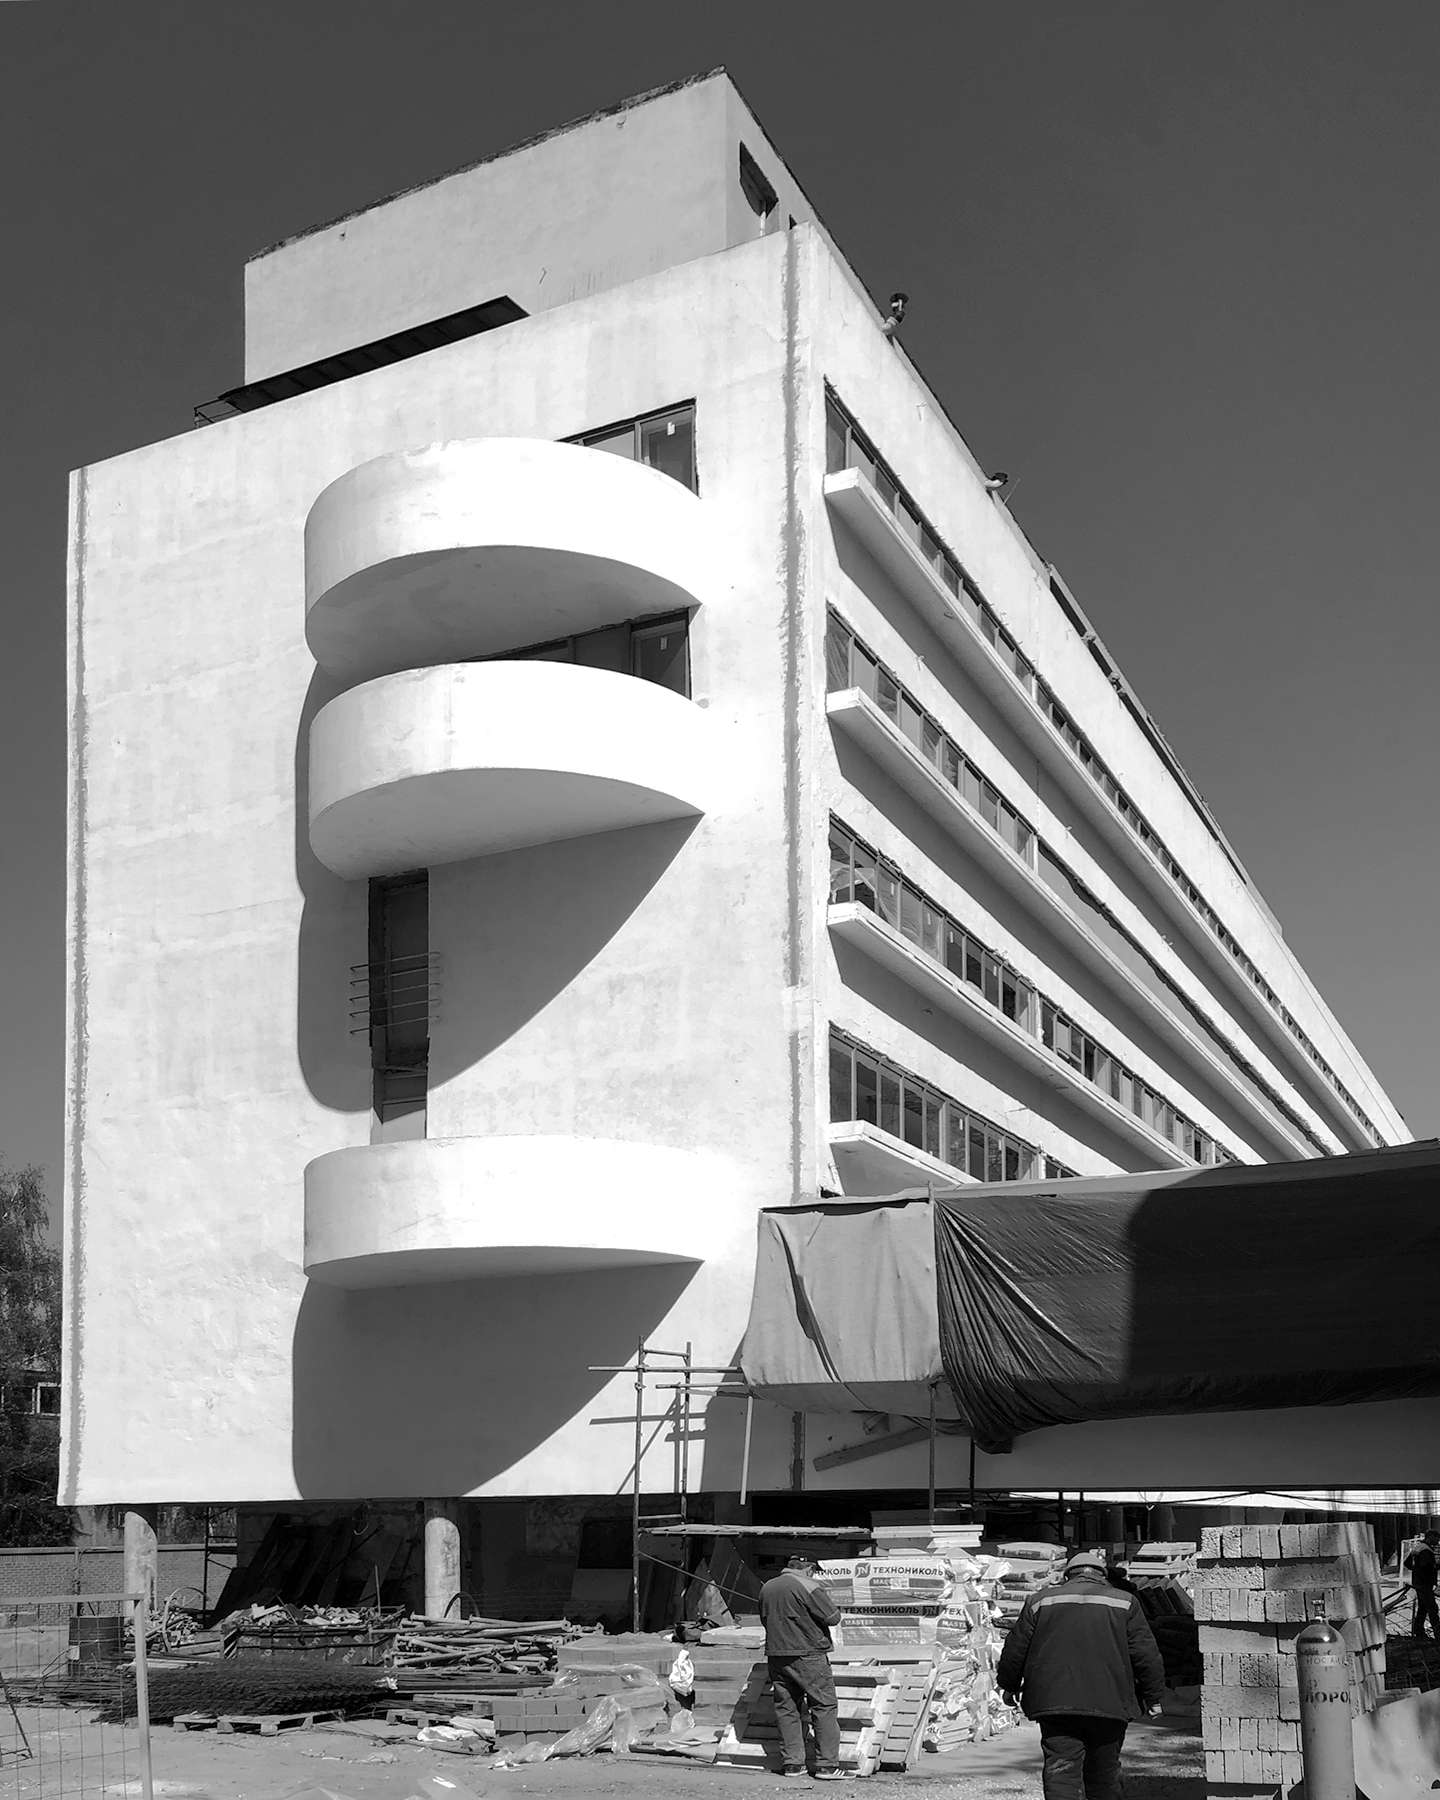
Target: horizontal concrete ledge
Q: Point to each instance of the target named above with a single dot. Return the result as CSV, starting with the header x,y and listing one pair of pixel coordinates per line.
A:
x,y
871,1161
436,765
482,545
880,941
453,1209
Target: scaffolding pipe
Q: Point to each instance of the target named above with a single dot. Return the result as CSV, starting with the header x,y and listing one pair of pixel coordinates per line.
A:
x,y
635,1511
932,1453
745,1453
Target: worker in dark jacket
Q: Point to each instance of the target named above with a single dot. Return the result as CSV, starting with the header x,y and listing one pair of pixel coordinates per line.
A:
x,y
1084,1662
1422,1567
797,1615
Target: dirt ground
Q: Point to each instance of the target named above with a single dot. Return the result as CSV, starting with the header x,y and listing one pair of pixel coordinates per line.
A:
x,y
367,1760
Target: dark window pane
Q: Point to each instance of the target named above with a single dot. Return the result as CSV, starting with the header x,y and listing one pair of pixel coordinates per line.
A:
x,y
910,914
971,787
863,881
914,1116
1007,995
840,1098
977,1152
951,576
950,764
930,550
837,657
890,1103
618,443
669,446
932,1125
1025,1007
1012,1161
994,1158
860,457
659,653
909,522
974,965
887,696
955,1137
887,892
885,487
992,981
608,649
867,1090
1026,1160
910,720
955,950
834,439
989,806
839,867
1007,826
931,740
932,927
1047,1025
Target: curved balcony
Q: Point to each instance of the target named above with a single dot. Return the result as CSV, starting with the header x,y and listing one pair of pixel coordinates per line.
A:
x,y
436,765
478,546
452,1209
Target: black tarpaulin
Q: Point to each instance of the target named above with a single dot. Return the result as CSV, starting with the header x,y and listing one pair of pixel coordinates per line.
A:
x,y
1229,1289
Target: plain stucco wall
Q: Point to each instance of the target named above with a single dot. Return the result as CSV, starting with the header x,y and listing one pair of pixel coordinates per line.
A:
x,y
585,209
211,1052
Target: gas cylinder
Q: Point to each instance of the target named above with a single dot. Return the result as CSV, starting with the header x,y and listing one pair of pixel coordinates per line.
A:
x,y
1322,1664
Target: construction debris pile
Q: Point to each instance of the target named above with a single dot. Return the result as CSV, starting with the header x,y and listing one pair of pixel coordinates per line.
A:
x,y
1255,1590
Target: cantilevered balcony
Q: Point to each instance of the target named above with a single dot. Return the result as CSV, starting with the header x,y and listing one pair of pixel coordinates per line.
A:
x,y
478,546
876,938
399,1214
435,765
871,1161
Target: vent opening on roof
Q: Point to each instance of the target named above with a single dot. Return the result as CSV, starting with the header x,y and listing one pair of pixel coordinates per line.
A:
x,y
468,322
757,190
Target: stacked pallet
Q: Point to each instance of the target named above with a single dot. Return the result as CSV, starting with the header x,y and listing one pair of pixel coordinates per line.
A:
x,y
881,1710
1255,1590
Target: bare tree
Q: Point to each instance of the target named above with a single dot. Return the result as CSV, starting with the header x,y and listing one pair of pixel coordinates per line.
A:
x,y
29,1365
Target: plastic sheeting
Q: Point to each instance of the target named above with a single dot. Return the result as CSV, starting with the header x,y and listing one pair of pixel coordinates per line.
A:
x,y
1218,1290
843,1316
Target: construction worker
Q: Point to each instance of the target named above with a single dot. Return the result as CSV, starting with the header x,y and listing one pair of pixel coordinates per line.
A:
x,y
1421,1564
797,1615
1082,1659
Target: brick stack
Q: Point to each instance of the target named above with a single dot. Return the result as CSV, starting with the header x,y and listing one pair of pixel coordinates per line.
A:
x,y
1255,1588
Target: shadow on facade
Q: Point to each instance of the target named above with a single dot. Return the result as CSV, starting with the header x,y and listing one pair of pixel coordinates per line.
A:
x,y
437,1389
518,928
333,936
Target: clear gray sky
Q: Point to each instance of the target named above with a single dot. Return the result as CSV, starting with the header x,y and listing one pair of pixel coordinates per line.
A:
x,y
1174,266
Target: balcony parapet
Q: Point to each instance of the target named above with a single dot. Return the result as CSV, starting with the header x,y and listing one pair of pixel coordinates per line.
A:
x,y
454,1209
481,545
436,765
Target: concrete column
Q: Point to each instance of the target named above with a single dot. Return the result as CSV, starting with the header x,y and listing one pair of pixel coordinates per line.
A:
x,y
142,1557
442,1555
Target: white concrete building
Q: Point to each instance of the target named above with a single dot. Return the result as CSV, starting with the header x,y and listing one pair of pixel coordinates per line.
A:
x,y
593,762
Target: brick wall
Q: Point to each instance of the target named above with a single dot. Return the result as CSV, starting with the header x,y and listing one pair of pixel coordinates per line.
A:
x,y
1255,1589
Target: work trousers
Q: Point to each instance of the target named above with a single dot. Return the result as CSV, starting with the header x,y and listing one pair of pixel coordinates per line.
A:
x,y
805,1685
1082,1756
1425,1609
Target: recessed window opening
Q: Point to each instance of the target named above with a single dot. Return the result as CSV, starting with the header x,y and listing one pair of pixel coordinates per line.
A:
x,y
397,988
847,447
849,663
654,649
868,1088
661,440
859,876
760,196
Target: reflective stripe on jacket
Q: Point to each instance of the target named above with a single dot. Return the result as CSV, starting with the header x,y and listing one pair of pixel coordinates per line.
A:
x,y
1083,1647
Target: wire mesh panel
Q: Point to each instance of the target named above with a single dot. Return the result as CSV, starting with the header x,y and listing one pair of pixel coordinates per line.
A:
x,y
74,1718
